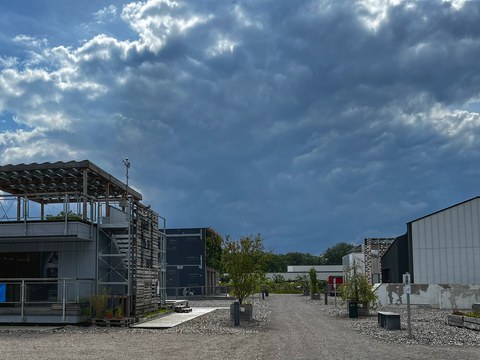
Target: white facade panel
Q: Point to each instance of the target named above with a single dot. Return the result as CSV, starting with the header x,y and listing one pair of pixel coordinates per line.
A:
x,y
318,268
445,244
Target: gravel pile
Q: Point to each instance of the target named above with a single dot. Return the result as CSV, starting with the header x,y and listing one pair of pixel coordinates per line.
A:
x,y
429,326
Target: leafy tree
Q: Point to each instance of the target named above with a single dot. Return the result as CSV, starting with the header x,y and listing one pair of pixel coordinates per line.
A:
x,y
244,260
333,255
213,244
276,263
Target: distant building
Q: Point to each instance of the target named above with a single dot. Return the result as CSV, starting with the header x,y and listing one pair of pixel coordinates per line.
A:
x,y
323,271
366,258
187,270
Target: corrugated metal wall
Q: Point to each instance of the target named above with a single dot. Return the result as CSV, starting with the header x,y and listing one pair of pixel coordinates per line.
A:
x,y
446,245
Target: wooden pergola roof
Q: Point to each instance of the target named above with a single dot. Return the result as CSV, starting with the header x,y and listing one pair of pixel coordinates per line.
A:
x,y
82,177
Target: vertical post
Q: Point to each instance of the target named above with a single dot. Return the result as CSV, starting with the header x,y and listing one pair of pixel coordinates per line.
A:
x,y
85,193
129,257
19,207
335,290
236,313
107,198
407,290
42,210
65,213
22,299
92,217
25,213
64,299
126,162
77,291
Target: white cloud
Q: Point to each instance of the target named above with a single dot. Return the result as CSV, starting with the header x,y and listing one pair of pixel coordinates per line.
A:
x,y
108,13
373,13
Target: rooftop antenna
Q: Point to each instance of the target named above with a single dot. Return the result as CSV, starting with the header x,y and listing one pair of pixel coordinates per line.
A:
x,y
126,162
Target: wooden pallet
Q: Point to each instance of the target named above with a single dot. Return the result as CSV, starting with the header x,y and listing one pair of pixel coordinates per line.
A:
x,y
111,322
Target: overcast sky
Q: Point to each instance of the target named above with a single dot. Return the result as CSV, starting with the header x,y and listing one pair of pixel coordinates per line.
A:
x,y
311,122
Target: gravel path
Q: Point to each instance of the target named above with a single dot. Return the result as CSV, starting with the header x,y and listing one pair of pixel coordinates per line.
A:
x,y
285,327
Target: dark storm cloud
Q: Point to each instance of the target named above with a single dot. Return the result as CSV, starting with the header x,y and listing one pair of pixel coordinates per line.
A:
x,y
311,122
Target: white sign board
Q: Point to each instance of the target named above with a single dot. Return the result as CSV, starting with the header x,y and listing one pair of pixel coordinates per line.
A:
x,y
407,289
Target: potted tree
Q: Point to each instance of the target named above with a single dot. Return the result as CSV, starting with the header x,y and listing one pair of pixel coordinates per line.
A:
x,y
244,260
358,293
315,295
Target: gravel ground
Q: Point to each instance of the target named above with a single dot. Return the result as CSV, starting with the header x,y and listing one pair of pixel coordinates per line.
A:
x,y
284,327
217,322
429,326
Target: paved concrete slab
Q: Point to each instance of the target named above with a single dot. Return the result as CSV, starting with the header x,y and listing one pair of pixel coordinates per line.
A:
x,y
174,319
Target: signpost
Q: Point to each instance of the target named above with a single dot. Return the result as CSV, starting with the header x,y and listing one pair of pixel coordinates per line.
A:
x,y
408,290
335,289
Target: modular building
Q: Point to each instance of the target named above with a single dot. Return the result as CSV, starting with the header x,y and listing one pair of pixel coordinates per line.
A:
x,y
69,233
187,270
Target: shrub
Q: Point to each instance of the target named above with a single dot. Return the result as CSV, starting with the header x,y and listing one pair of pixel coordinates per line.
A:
x,y
99,302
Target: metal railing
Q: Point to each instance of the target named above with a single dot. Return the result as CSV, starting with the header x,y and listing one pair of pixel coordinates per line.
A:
x,y
44,296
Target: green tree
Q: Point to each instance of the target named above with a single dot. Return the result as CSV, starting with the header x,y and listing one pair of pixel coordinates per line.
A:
x,y
244,260
213,244
333,255
276,263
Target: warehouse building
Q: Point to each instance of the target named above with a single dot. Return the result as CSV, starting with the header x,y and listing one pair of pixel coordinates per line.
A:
x,y
439,248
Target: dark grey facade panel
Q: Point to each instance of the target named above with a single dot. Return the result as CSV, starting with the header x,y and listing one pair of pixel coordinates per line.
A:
x,y
395,262
185,260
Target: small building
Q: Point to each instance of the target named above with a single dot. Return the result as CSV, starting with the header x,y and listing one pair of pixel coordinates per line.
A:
x,y
296,271
323,271
366,258
69,231
190,268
